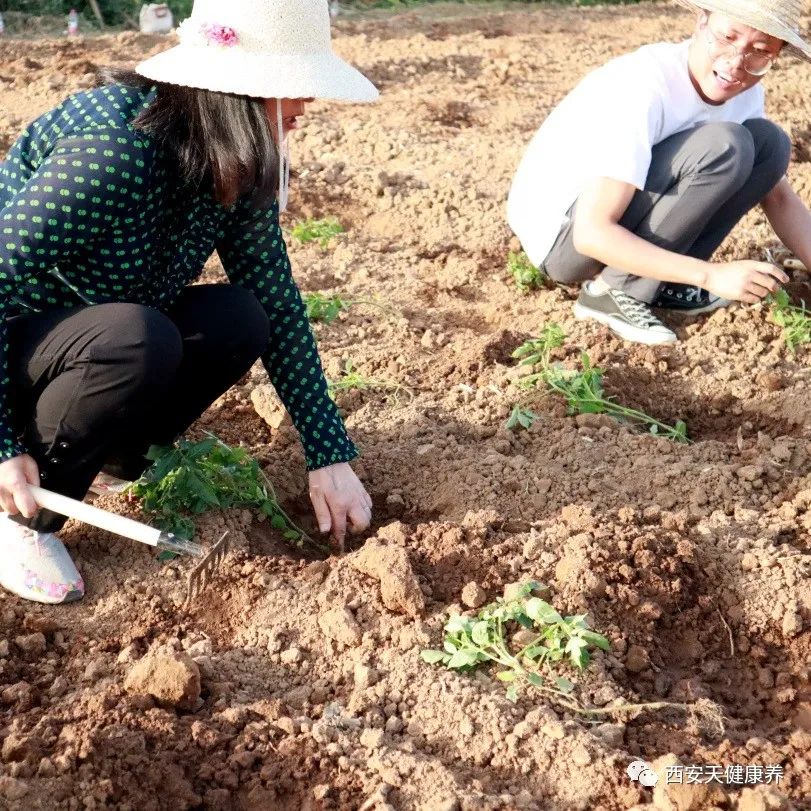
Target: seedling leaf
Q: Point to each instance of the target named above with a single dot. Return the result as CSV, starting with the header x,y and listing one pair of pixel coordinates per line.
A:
x,y
598,640
564,685
312,230
543,613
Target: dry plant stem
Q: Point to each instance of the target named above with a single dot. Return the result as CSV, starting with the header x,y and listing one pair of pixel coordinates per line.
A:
x,y
513,662
729,632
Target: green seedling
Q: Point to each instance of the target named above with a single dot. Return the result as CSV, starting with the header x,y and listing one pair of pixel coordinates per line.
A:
x,y
325,308
584,394
525,275
554,640
321,231
583,389
794,319
521,418
328,308
191,478
537,351
550,646
352,380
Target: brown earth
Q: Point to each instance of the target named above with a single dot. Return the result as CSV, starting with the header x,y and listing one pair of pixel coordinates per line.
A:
x,y
693,559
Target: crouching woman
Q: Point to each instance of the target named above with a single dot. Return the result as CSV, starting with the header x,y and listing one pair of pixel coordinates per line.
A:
x,y
110,205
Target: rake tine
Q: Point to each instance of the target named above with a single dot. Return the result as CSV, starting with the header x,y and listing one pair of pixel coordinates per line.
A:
x,y
200,576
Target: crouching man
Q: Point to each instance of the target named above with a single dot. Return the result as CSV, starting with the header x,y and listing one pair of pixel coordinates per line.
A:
x,y
639,174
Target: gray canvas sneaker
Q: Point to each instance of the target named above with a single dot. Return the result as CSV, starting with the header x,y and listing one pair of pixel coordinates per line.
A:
x,y
630,318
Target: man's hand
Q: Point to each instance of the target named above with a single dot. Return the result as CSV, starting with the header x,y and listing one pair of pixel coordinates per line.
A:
x,y
338,497
744,280
15,476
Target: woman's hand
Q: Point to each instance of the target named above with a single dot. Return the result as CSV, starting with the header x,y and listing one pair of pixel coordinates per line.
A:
x,y
15,476
338,497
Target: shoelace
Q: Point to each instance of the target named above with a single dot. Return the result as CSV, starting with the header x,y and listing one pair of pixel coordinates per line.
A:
x,y
636,311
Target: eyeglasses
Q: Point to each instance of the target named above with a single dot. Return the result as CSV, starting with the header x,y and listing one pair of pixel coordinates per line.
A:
x,y
755,63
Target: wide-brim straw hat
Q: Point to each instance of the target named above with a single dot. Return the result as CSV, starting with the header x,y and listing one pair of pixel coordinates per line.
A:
x,y
779,18
261,48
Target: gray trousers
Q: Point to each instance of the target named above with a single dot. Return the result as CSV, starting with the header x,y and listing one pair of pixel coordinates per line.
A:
x,y
699,185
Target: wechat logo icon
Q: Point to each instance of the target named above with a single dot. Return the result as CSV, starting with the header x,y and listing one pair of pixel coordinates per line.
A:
x,y
642,772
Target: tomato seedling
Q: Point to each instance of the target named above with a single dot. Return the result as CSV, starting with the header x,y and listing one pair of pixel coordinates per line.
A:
x,y
352,380
328,308
554,640
793,318
321,231
521,418
190,478
583,389
535,658
525,275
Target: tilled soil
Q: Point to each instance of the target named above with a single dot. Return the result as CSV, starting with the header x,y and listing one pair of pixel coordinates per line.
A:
x,y
693,559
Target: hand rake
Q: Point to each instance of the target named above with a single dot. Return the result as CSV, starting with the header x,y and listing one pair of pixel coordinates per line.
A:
x,y
112,522
200,576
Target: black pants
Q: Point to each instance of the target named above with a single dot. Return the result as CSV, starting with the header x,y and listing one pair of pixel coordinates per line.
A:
x,y
699,185
98,384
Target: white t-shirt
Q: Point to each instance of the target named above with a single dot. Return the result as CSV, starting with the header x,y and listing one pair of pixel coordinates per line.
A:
x,y
606,127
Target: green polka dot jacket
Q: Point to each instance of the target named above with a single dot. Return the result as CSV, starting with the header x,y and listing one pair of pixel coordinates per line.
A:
x,y
91,211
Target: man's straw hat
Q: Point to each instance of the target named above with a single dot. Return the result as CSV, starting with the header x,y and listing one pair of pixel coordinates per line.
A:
x,y
779,18
260,48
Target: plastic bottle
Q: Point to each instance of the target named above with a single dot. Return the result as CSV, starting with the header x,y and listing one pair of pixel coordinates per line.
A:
x,y
73,23
2,25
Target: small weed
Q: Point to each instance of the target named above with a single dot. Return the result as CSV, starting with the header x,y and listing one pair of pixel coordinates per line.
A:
x,y
794,319
190,478
550,642
321,231
520,417
352,380
525,275
583,388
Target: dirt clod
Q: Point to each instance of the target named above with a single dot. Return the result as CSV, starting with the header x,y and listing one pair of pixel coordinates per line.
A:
x,y
339,625
389,564
171,679
473,595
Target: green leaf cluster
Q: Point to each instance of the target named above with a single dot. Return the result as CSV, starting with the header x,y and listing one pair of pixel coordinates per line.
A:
x,y
521,418
555,641
525,275
793,318
325,308
583,388
191,478
321,231
353,380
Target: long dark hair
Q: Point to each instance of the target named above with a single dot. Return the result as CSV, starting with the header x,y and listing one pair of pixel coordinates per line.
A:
x,y
223,138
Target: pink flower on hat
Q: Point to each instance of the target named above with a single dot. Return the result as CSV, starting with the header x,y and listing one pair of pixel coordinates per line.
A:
x,y
221,35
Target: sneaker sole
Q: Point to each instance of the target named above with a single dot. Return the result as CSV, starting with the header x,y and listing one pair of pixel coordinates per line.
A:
x,y
624,330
